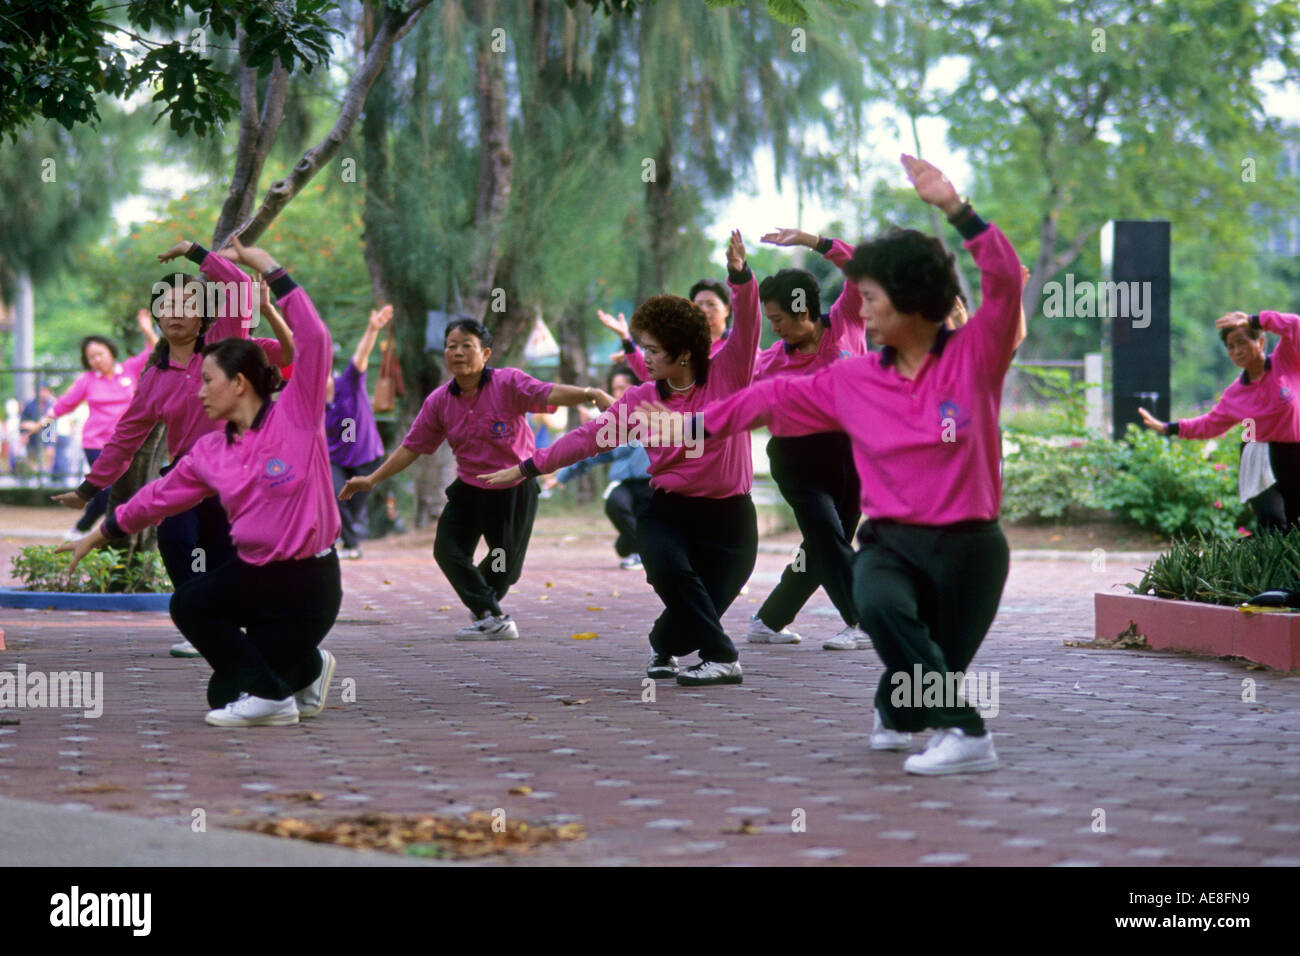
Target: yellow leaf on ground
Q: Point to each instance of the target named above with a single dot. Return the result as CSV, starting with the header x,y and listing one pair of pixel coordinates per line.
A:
x,y
584,636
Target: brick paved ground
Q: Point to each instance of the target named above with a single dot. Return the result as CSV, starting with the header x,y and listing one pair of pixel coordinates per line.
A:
x,y
1185,771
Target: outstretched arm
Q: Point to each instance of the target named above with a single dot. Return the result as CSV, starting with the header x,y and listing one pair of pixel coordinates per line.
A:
x,y
401,459
573,395
283,334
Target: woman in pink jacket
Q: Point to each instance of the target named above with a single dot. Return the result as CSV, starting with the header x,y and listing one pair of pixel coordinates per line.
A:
x,y
106,386
259,616
1265,398
698,535
922,418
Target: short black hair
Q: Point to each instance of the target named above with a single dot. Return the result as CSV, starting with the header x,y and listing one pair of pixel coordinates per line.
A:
x,y
712,285
678,324
1250,330
917,271
618,370
245,357
471,327
783,287
91,340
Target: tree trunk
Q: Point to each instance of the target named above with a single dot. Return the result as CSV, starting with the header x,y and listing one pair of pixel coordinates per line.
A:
x,y
393,26
144,468
495,162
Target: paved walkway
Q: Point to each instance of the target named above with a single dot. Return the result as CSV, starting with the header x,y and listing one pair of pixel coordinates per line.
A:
x,y
1184,770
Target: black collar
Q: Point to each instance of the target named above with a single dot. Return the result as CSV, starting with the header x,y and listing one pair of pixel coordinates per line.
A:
x,y
1268,364
889,354
484,377
257,422
661,385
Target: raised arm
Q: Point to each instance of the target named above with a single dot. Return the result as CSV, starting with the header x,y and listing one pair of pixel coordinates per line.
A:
x,y
996,323
145,320
378,319
279,328
304,397
735,361
846,313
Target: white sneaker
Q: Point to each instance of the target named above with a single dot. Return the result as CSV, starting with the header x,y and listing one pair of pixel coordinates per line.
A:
x,y
74,534
631,563
760,633
184,649
849,639
489,628
350,554
954,752
311,699
883,738
710,672
250,711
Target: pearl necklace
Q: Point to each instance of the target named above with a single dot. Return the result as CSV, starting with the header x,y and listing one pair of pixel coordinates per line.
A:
x,y
684,388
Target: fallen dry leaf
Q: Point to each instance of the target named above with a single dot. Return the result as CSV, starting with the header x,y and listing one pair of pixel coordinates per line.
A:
x,y
477,834
572,701
523,788
584,636
593,607
444,607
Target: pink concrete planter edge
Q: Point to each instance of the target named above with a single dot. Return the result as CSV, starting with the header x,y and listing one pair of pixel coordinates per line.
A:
x,y
1204,629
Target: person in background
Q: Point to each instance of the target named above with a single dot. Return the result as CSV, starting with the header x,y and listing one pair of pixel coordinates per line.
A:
x,y
629,479
353,436
1265,397
41,441
482,414
106,388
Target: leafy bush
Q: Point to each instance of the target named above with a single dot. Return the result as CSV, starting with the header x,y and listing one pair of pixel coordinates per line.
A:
x,y
1042,478
1171,486
1176,487
1218,571
105,571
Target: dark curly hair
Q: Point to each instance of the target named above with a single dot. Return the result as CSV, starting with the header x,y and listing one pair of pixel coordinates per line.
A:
x,y
92,339
916,271
678,325
782,287
245,357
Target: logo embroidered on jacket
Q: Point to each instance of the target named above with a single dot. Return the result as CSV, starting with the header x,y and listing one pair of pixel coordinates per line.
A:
x,y
275,467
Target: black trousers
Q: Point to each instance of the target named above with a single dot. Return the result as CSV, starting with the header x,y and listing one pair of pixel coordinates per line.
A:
x,y
927,596
698,553
621,508
1284,459
501,516
818,480
284,608
97,505
204,528
352,513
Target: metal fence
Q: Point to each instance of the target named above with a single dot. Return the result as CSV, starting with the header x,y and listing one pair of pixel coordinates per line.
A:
x,y
50,457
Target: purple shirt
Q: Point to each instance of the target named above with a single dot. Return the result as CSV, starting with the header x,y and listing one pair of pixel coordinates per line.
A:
x,y
349,423
487,431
